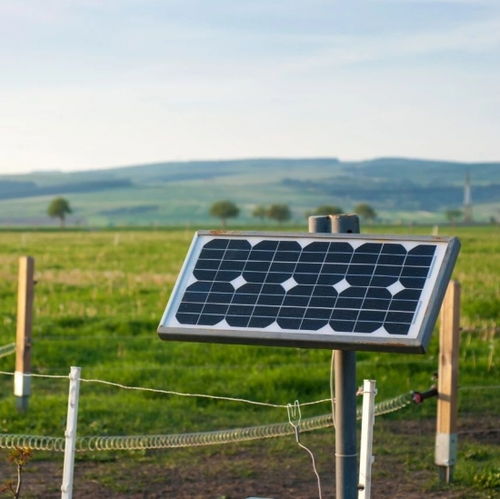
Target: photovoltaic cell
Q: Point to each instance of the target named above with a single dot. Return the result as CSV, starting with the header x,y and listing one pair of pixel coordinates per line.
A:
x,y
355,288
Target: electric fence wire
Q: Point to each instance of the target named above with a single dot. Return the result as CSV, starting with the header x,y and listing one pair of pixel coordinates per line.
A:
x,y
198,395
198,439
7,350
137,442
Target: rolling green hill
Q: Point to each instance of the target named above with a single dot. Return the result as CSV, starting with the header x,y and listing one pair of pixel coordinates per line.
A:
x,y
175,193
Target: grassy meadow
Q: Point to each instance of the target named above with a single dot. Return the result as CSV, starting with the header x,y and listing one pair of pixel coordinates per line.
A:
x,y
100,296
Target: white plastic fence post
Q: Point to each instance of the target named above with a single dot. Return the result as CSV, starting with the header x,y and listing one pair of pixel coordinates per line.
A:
x,y
70,434
365,456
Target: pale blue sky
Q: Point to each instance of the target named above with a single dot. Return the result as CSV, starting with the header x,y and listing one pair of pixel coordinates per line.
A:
x,y
101,83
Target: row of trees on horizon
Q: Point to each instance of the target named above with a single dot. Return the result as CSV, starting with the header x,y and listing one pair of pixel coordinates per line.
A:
x,y
60,207
281,213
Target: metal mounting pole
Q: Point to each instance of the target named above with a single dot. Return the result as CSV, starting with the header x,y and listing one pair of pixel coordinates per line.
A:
x,y
346,466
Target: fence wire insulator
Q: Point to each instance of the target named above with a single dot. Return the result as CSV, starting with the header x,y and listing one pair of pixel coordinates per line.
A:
x,y
419,397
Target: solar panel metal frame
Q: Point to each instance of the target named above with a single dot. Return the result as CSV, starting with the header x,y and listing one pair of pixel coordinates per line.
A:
x,y
298,338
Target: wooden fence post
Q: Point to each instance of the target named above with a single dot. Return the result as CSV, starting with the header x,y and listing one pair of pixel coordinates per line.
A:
x,y
25,295
447,404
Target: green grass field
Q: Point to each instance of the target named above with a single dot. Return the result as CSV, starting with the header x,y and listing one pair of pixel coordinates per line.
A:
x,y
99,298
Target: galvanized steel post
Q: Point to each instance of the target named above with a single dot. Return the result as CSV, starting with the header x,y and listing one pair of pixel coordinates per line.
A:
x,y
346,466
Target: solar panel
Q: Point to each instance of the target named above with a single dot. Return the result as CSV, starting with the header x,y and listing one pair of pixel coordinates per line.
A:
x,y
315,290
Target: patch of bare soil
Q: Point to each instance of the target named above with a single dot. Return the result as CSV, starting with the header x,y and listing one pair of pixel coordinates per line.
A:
x,y
403,468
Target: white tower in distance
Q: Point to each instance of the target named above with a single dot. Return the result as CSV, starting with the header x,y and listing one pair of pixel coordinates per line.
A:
x,y
467,199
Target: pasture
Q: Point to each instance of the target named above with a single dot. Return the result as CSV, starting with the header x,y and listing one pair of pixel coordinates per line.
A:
x,y
99,298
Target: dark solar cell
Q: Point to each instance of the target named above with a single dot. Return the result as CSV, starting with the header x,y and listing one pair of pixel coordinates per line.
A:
x,y
239,321
349,302
289,246
397,328
296,301
245,299
364,257
194,297
313,324
323,301
286,267
371,316
413,282
378,293
209,320
369,248
393,249
404,305
358,269
270,299
211,308
266,311
415,272
391,259
267,245
213,254
217,244
352,290
318,313
343,326
377,304
204,275
359,280
207,264
318,247
260,256
226,275
187,318
423,249
260,322
193,308
418,260
312,257
343,314
329,279
338,257
355,292
239,244
304,278
232,265
287,256
366,327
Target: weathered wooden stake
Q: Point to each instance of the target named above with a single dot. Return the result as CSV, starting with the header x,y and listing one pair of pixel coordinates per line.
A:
x,y
25,295
447,404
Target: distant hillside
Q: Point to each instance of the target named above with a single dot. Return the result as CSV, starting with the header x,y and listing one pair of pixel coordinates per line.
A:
x,y
176,193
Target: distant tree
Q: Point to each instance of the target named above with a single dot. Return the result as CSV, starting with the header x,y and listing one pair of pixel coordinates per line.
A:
x,y
279,212
224,210
58,208
260,211
366,211
325,209
453,215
